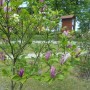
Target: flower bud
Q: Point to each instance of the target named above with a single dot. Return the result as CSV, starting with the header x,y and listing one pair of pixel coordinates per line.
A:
x,y
53,71
64,58
21,72
47,55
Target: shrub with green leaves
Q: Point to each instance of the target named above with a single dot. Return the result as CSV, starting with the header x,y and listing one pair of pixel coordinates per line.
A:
x,y
17,28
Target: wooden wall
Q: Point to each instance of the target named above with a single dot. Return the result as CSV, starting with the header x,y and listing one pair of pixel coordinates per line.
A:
x,y
67,23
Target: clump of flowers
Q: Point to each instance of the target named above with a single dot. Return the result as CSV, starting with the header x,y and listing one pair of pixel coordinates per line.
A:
x,y
64,58
53,71
21,72
15,17
47,55
41,29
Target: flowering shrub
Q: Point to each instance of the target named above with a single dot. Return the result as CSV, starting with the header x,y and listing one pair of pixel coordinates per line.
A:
x,y
19,30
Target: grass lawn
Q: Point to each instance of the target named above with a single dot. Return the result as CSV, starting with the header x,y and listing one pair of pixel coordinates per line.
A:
x,y
70,83
36,47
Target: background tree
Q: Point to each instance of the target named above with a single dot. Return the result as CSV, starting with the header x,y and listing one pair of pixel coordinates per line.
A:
x,y
80,8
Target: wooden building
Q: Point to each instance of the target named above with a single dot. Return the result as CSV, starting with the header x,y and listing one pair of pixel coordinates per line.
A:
x,y
68,22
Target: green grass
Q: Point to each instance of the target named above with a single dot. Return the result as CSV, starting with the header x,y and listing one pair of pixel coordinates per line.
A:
x,y
43,37
70,83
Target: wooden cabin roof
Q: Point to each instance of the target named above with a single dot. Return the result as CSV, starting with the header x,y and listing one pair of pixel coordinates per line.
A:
x,y
67,17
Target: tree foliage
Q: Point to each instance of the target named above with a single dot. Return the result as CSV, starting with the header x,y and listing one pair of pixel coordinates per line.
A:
x,y
18,26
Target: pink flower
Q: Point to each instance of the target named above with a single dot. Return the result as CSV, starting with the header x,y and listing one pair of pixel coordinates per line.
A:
x,y
47,55
21,72
66,32
41,1
5,9
53,71
64,58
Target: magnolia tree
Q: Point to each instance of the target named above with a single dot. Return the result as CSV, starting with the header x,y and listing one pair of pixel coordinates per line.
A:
x,y
17,28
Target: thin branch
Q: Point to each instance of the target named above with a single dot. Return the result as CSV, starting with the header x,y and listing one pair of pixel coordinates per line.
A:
x,y
6,52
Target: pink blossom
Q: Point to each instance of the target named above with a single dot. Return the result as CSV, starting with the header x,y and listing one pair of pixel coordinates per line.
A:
x,y
41,0
64,58
5,9
53,71
47,55
66,32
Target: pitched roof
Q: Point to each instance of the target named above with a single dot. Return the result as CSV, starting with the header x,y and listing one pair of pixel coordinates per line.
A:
x,y
68,16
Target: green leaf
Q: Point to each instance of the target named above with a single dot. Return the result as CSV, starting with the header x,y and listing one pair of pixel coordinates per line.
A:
x,y
46,78
23,80
5,72
16,78
61,77
50,80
